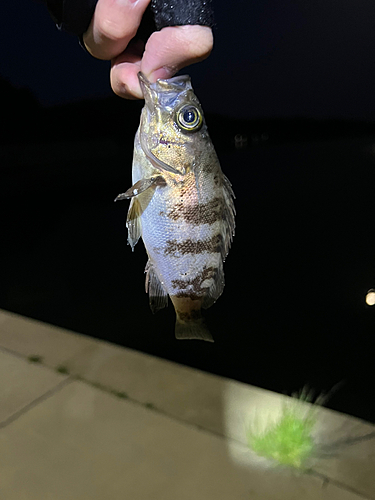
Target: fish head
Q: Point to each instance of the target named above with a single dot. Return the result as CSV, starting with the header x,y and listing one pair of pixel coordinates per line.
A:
x,y
172,130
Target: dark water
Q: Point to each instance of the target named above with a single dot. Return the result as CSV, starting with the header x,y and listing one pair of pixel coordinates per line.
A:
x,y
293,310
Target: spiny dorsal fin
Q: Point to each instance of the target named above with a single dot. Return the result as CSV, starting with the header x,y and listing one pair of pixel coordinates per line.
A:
x,y
228,216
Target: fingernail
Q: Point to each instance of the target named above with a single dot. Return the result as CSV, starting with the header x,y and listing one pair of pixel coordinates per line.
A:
x,y
163,73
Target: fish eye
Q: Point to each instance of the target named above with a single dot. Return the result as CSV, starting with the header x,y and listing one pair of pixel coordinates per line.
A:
x,y
189,118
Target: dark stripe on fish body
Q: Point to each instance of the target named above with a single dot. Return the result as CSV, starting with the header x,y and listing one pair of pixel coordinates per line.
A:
x,y
205,213
212,245
189,295
194,283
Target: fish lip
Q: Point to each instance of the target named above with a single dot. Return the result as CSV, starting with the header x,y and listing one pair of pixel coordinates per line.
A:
x,y
149,94
176,83
144,82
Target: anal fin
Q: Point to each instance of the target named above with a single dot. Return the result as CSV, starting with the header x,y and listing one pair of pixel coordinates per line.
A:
x,y
158,297
213,292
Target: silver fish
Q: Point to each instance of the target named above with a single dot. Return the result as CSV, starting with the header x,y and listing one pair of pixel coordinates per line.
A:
x,y
181,205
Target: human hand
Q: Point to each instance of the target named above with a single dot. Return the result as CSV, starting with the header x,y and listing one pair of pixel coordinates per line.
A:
x,y
110,34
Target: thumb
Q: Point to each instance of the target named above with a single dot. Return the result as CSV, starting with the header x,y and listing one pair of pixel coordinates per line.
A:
x,y
171,49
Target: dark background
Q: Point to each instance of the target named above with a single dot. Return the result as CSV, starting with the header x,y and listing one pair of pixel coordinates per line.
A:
x,y
295,81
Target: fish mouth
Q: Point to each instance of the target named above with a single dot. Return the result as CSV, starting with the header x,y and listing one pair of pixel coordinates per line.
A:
x,y
163,92
145,86
177,83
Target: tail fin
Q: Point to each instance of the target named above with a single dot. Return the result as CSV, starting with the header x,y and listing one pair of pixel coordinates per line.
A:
x,y
192,329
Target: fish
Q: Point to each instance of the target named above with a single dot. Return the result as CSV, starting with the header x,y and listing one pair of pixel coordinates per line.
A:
x,y
181,205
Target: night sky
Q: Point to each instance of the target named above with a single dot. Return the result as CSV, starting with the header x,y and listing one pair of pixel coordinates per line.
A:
x,y
271,58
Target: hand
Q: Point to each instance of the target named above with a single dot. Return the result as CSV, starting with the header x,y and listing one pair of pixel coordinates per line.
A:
x,y
109,37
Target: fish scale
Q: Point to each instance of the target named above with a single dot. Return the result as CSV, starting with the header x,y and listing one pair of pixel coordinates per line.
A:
x,y
181,205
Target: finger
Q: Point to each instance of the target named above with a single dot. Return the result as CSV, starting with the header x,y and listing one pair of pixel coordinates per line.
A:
x,y
114,24
124,72
173,48
166,52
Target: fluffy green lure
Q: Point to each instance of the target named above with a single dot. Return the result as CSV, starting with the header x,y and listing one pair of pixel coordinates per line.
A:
x,y
288,440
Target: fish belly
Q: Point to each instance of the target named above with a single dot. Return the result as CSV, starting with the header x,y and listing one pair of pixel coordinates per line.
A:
x,y
185,254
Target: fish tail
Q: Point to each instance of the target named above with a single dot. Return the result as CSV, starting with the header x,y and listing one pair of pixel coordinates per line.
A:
x,y
192,329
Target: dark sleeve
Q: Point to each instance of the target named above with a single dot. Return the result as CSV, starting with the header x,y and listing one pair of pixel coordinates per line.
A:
x,y
181,12
74,16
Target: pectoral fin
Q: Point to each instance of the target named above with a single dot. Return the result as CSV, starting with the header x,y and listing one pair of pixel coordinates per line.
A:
x,y
133,223
141,186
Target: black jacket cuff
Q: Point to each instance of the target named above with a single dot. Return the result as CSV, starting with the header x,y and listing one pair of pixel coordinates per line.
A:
x,y
181,12
74,16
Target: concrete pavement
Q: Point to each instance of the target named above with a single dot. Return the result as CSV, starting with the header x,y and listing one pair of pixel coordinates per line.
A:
x,y
84,419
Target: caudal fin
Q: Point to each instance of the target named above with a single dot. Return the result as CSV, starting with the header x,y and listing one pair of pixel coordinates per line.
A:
x,y
193,329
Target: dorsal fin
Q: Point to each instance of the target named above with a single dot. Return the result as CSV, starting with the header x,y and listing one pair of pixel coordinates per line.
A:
x,y
228,216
